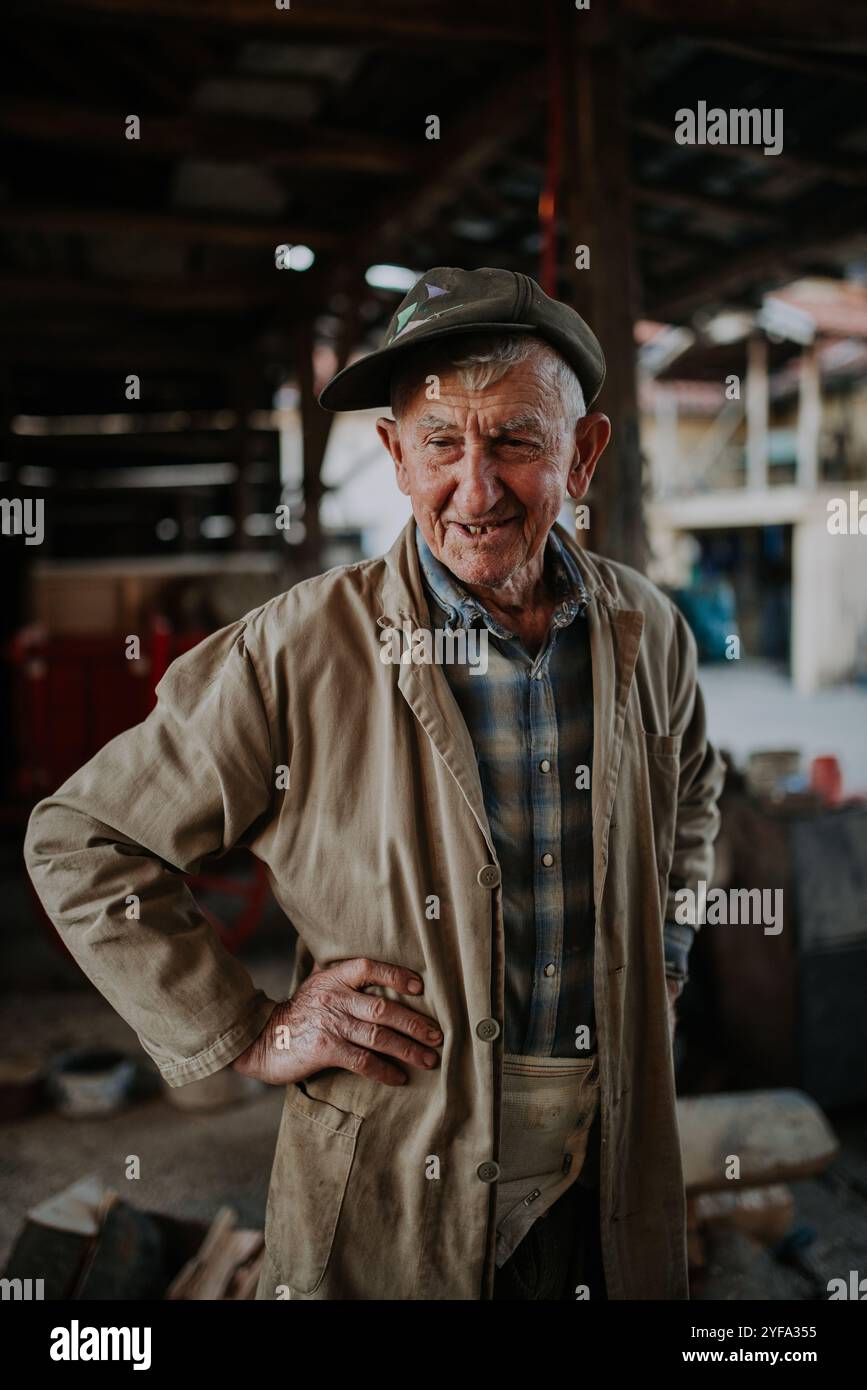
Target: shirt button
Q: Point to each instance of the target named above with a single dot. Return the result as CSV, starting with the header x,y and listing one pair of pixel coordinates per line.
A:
x,y
547,860
489,876
488,1172
544,765
550,970
488,1029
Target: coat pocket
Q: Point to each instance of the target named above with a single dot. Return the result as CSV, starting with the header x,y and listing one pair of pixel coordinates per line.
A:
x,y
314,1156
663,770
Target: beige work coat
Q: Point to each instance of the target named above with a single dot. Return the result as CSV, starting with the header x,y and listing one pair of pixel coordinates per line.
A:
x,y
383,810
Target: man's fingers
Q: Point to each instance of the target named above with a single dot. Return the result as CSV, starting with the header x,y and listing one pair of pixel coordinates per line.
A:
x,y
375,1009
364,1063
381,1039
361,970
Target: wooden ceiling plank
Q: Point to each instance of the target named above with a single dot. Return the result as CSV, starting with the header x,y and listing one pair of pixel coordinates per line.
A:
x,y
473,143
485,21
276,144
789,60
794,18
727,210
164,225
773,262
827,167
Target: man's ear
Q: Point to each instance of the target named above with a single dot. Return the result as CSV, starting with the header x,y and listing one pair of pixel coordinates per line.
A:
x,y
592,434
390,435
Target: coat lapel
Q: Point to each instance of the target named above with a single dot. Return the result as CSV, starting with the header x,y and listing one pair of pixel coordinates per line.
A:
x,y
424,687
615,639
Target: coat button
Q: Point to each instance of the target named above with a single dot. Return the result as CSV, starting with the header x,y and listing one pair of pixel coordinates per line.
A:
x,y
488,1029
489,876
488,1172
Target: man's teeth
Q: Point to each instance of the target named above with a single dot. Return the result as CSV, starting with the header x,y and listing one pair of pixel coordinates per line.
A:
x,y
481,530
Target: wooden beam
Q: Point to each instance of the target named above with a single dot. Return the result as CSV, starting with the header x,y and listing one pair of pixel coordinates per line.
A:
x,y
468,146
162,226
247,448
793,18
829,166
100,450
757,411
766,265
211,137
51,352
153,297
598,201
485,21
809,418
315,428
788,59
679,246
146,296
719,209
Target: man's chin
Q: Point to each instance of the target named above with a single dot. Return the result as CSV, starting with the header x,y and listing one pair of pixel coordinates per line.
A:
x,y
491,568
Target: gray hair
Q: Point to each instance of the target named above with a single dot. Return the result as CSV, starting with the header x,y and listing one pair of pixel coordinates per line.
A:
x,y
484,358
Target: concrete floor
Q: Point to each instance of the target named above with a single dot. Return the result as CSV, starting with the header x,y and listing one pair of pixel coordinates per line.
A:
x,y
191,1163
751,705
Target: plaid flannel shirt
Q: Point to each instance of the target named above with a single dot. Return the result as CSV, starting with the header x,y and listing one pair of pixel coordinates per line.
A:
x,y
531,723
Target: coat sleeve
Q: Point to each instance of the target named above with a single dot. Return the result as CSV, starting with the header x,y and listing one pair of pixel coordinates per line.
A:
x,y
702,772
189,781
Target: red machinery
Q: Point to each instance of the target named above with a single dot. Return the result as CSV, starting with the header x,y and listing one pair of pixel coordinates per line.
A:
x,y
74,693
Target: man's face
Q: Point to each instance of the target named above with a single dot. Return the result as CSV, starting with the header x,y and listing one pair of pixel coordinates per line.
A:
x,y
487,471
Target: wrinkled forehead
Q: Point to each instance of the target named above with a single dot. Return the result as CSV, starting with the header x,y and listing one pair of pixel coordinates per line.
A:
x,y
501,417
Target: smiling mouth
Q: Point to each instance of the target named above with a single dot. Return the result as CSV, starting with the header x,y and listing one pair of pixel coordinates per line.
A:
x,y
489,529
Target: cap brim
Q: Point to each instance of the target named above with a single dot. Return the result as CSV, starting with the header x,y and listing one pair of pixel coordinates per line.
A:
x,y
366,384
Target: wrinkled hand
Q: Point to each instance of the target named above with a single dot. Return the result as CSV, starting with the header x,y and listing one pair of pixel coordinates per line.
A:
x,y
330,1022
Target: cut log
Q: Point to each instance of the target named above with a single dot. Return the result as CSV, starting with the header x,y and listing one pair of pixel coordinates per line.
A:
x,y
209,1274
765,1213
776,1136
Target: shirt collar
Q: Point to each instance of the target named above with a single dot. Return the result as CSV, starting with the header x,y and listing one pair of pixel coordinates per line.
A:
x,y
462,608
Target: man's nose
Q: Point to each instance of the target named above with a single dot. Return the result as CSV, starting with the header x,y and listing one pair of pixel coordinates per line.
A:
x,y
478,487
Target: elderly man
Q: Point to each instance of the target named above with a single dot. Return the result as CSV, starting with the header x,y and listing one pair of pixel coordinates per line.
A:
x,y
479,856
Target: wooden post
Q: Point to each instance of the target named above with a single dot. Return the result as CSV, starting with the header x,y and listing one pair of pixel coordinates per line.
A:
x,y
315,424
757,411
666,462
599,216
244,400
809,419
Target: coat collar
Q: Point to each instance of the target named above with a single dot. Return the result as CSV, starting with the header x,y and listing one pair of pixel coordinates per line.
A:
x,y
463,609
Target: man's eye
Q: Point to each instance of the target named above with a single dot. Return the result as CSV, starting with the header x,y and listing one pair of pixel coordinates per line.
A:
x,y
442,443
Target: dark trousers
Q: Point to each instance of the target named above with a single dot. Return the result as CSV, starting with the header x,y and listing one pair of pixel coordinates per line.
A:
x,y
561,1251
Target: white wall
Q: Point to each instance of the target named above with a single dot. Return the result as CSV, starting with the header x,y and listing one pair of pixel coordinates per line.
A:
x,y
829,597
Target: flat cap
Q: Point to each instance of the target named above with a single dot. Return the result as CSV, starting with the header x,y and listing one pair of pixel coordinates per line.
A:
x,y
448,301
